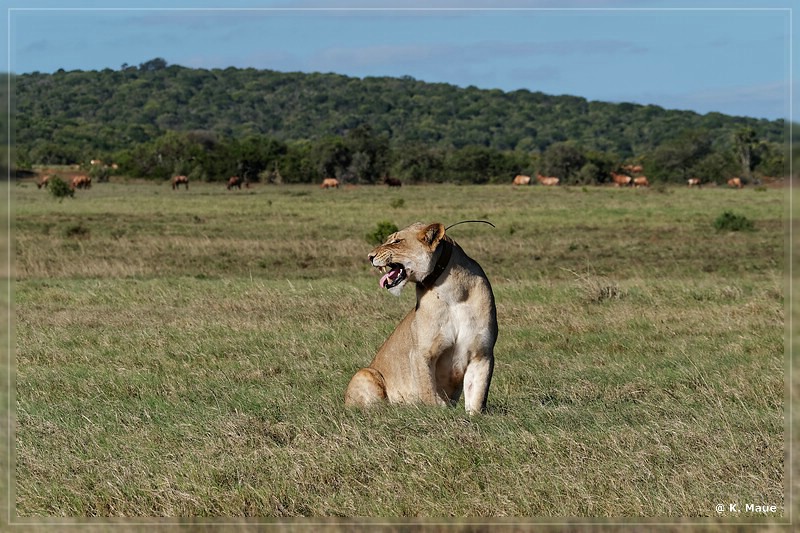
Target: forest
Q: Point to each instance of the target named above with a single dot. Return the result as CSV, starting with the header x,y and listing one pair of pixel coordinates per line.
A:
x,y
155,120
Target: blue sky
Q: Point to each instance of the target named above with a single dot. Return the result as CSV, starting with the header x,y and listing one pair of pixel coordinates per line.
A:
x,y
732,57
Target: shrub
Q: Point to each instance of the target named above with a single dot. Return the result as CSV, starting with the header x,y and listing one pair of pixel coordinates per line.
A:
x,y
100,173
60,189
381,232
729,221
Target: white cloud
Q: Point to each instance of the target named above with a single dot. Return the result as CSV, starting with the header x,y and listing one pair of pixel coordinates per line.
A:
x,y
487,51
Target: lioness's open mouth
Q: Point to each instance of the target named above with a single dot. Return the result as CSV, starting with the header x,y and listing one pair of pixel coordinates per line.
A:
x,y
394,274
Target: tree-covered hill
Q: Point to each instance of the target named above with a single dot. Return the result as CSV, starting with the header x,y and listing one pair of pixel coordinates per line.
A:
x,y
71,116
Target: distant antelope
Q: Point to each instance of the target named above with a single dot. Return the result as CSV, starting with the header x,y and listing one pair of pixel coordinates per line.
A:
x,y
634,169
621,180
177,181
81,182
236,181
547,180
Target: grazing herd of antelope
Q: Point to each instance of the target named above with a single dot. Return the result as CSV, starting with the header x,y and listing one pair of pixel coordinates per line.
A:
x,y
619,180
633,177
83,181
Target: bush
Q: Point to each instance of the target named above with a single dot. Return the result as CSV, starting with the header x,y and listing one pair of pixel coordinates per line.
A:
x,y
729,221
381,232
100,173
60,189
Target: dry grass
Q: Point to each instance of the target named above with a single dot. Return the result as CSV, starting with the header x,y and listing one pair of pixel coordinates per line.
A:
x,y
169,367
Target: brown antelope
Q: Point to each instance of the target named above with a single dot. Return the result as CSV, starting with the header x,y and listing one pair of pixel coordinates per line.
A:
x,y
621,180
633,169
177,181
547,180
81,182
236,181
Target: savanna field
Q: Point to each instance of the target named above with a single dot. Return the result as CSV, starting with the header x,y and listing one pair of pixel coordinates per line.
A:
x,y
185,353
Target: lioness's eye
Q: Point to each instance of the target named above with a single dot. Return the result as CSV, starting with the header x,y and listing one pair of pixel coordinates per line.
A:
x,y
395,241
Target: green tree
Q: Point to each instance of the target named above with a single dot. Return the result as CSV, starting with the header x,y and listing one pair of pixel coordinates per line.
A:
x,y
252,156
369,154
332,158
744,145
153,65
716,167
416,163
472,164
770,159
598,167
676,160
298,164
563,160
170,154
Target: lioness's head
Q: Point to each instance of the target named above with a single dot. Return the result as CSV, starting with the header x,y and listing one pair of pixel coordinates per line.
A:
x,y
408,255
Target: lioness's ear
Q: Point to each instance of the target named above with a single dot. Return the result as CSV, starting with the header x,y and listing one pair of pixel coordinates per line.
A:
x,y
432,234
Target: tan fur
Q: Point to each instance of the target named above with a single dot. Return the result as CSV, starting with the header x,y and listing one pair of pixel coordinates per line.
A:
x,y
445,345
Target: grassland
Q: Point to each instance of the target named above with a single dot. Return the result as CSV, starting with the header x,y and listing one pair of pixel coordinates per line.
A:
x,y
185,354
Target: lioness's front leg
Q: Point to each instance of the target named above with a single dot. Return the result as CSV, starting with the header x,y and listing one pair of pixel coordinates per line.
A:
x,y
476,382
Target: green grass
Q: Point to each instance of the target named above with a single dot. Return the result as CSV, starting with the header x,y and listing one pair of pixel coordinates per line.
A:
x,y
186,353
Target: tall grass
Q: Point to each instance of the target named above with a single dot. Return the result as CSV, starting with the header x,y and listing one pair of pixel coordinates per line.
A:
x,y
186,353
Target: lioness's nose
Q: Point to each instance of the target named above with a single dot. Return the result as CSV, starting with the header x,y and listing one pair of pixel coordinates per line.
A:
x,y
371,256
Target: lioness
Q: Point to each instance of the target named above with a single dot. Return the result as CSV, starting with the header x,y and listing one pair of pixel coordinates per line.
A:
x,y
446,343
